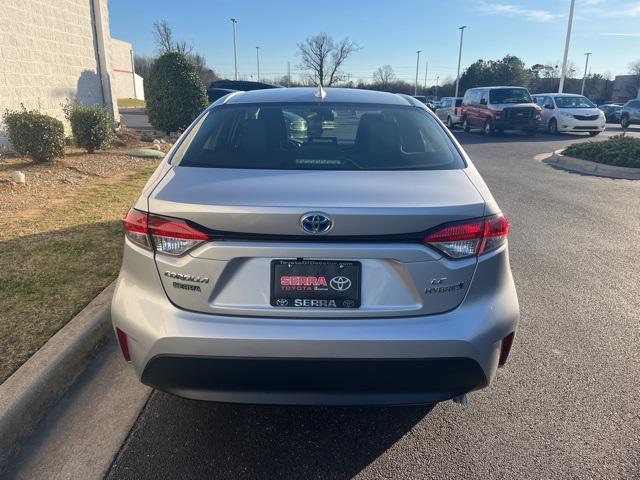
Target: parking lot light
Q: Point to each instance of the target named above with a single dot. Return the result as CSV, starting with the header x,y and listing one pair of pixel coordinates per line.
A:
x,y
415,90
566,47
235,54
459,58
584,77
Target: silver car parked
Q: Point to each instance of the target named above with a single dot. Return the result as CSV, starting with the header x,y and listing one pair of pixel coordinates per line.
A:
x,y
449,111
365,264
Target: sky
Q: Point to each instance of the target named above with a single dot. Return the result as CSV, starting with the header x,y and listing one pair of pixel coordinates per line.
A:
x,y
389,32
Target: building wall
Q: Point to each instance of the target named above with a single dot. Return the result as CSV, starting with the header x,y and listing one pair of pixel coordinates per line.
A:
x,y
124,83
48,54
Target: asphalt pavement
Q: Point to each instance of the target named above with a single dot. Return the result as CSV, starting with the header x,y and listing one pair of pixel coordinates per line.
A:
x,y
563,407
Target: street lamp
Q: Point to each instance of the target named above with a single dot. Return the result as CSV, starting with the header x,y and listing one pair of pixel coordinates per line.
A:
x,y
459,57
258,61
426,69
235,54
584,77
415,90
566,47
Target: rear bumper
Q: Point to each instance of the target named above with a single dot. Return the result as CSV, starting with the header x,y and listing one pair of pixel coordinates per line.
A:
x,y
305,381
302,360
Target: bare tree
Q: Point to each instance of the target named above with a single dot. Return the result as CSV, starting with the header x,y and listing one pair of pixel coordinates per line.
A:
x,y
163,38
384,75
322,57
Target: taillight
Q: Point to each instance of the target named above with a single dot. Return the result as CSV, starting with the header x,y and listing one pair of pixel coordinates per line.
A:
x,y
173,236
470,238
136,229
170,236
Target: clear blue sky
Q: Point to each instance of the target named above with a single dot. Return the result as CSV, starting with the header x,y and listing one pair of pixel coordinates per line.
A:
x,y
390,31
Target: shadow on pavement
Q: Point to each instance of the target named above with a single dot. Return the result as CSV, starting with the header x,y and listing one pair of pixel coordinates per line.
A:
x,y
182,438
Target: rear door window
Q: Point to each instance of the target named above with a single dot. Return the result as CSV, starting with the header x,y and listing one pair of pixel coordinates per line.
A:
x,y
318,137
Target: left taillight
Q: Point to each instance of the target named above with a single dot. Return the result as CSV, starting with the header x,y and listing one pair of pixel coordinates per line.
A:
x,y
470,238
170,236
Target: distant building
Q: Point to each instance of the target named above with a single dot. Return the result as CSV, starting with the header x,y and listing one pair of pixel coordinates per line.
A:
x,y
626,87
55,50
126,82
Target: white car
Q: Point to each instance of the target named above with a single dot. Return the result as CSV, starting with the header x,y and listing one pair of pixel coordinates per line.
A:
x,y
565,112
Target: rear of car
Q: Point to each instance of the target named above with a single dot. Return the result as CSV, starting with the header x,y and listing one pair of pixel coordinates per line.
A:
x,y
611,112
450,111
498,109
630,114
365,263
570,113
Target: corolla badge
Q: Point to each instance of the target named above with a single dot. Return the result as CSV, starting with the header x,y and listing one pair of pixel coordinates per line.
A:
x,y
316,223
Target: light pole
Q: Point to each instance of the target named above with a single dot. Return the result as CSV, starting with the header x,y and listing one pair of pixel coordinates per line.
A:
x,y
566,47
235,54
415,90
426,69
584,78
459,57
258,61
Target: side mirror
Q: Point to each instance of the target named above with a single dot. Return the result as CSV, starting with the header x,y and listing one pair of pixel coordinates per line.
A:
x,y
483,101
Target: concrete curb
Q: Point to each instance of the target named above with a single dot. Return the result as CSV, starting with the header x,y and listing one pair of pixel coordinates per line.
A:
x,y
587,167
27,396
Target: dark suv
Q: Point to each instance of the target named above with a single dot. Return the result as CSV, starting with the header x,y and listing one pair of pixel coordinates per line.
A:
x,y
630,113
220,88
499,108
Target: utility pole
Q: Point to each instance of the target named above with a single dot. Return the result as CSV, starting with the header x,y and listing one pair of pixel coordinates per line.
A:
x,y
426,69
288,74
584,78
235,54
566,47
415,89
258,61
459,57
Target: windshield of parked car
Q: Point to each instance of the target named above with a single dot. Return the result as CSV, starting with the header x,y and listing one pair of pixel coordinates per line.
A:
x,y
318,137
509,95
573,102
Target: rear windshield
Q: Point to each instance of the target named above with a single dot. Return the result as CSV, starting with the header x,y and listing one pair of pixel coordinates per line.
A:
x,y
574,102
318,137
509,95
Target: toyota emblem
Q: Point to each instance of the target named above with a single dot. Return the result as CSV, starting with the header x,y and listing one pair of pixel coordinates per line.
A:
x,y
316,223
340,283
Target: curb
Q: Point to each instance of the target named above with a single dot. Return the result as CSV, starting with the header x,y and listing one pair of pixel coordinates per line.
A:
x,y
588,167
27,396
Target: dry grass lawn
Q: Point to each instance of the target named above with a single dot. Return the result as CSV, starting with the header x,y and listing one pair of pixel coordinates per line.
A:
x,y
57,255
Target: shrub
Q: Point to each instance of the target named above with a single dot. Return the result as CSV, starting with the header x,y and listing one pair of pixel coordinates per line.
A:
x,y
34,134
91,126
174,93
619,150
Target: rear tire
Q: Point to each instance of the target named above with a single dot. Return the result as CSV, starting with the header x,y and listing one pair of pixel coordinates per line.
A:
x,y
465,125
552,128
624,121
487,128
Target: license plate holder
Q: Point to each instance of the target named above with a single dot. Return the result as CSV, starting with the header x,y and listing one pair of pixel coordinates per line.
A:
x,y
315,284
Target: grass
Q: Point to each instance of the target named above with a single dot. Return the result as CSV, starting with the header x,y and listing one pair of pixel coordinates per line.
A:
x,y
620,150
52,267
131,103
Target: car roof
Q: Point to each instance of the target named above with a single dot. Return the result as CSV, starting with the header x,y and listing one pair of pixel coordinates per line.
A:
x,y
556,94
308,95
492,87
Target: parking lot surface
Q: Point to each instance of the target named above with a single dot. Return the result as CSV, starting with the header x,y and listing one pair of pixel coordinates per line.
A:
x,y
565,406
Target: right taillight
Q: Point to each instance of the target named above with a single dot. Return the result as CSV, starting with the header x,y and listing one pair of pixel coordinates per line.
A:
x,y
470,238
170,236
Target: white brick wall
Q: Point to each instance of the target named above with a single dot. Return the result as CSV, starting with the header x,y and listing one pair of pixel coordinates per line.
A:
x,y
48,54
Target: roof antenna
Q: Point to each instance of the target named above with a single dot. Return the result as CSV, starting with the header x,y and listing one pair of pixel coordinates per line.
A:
x,y
320,93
